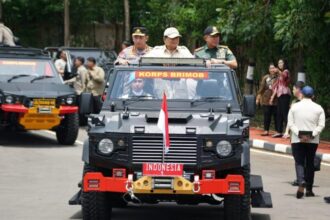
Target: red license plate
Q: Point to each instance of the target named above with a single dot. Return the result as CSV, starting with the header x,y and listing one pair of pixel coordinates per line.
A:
x,y
162,169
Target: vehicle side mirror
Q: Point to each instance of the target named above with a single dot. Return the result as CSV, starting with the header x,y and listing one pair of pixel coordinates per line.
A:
x,y
249,105
85,103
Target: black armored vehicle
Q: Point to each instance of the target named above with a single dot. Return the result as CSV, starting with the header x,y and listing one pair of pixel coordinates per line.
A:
x,y
126,158
104,58
33,96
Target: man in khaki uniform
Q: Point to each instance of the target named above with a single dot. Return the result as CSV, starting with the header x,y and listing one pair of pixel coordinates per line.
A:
x,y
96,83
171,46
132,54
79,82
6,35
213,52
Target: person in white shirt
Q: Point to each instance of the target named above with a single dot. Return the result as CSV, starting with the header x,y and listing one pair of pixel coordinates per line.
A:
x,y
184,88
306,121
61,63
171,46
6,35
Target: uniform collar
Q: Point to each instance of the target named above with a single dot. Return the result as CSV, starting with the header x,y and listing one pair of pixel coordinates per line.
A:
x,y
137,93
135,50
168,51
207,48
306,100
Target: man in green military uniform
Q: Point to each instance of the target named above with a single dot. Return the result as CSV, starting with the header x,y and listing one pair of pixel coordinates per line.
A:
x,y
213,52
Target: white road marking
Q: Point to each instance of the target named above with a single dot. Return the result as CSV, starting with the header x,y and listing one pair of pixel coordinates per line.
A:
x,y
258,143
281,148
279,155
53,134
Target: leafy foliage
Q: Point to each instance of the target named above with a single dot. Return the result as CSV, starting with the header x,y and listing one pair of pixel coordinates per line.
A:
x,y
261,31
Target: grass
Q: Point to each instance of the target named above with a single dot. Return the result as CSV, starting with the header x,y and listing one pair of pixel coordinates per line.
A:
x,y
257,122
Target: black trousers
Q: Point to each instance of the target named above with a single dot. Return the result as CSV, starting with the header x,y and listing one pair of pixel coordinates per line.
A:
x,y
304,155
97,104
283,106
270,111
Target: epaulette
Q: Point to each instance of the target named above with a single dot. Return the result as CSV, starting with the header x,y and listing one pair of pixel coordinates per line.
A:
x,y
182,48
222,46
149,48
128,48
198,49
157,47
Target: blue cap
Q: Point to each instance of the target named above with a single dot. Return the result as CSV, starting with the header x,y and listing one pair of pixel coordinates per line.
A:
x,y
308,91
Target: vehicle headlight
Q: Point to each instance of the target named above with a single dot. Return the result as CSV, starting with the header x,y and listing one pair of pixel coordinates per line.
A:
x,y
9,99
105,146
224,148
69,100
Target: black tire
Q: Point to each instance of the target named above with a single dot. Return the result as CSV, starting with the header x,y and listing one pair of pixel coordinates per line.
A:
x,y
238,207
95,205
67,131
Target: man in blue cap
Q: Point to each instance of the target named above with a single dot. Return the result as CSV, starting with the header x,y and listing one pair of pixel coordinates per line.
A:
x,y
306,120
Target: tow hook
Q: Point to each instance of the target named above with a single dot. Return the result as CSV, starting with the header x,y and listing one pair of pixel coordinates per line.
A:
x,y
196,184
129,188
129,183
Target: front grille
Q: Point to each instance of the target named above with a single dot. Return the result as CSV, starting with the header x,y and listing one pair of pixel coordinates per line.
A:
x,y
150,149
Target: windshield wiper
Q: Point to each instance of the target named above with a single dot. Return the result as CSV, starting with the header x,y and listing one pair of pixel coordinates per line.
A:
x,y
134,99
208,99
41,77
17,76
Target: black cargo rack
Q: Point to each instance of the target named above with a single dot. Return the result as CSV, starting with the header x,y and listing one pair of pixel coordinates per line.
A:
x,y
154,61
21,51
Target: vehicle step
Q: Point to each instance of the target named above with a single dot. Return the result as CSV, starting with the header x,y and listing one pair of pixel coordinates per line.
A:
x,y
256,183
75,200
260,199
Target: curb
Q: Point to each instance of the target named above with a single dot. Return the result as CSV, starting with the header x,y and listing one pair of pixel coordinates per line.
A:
x,y
282,148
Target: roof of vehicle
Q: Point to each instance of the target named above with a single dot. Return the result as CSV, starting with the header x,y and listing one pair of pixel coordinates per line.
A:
x,y
74,48
80,48
21,52
174,63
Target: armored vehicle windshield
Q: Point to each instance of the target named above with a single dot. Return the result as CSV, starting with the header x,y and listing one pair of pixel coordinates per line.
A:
x,y
24,70
185,87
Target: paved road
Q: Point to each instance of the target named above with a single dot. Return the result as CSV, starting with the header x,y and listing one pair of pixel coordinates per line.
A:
x,y
37,177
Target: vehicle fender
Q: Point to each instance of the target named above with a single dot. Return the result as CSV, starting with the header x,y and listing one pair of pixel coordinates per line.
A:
x,y
245,158
85,153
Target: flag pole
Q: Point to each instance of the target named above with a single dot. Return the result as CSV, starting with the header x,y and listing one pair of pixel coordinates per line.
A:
x,y
163,126
163,157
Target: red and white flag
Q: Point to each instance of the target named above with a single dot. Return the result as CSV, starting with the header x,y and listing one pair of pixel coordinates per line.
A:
x,y
163,124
